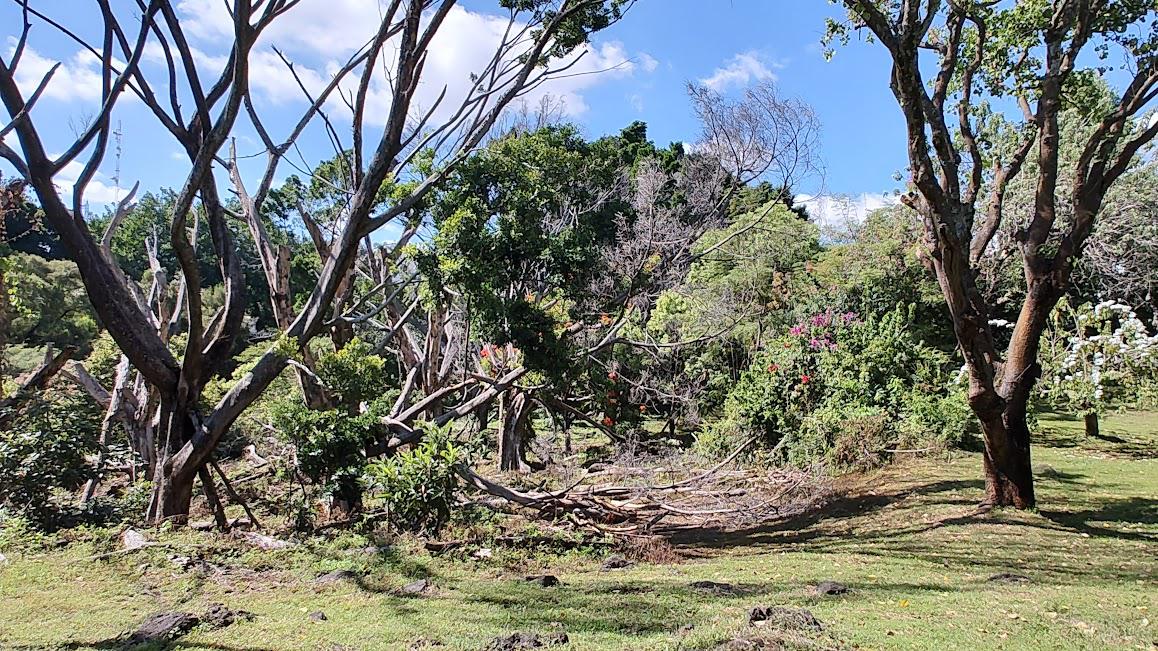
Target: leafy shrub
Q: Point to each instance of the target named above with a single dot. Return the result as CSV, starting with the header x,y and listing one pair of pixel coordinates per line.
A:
x,y
844,390
43,453
419,484
941,421
331,443
847,436
354,374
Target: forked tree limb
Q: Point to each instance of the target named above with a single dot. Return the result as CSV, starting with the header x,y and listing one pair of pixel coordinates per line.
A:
x,y
35,382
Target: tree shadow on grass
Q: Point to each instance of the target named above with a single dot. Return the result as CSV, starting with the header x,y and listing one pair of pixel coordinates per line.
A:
x,y
634,614
810,526
118,644
1054,545
1056,432
1131,510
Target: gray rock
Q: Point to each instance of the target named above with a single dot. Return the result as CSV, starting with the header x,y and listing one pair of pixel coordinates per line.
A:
x,y
337,576
784,617
714,587
830,588
317,616
519,641
544,580
218,616
267,543
132,540
1006,577
739,644
163,626
416,588
616,563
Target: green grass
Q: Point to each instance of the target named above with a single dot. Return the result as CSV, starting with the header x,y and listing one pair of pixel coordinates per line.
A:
x,y
907,540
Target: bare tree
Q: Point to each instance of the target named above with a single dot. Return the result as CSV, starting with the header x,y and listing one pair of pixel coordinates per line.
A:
x,y
538,34
1031,57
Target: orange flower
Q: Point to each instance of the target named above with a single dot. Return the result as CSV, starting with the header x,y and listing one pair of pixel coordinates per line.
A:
x,y
607,421
642,408
484,354
772,368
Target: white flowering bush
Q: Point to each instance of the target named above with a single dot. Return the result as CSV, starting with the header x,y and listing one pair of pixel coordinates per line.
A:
x,y
1098,356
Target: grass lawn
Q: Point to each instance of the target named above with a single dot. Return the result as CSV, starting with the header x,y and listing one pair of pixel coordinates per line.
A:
x,y
907,540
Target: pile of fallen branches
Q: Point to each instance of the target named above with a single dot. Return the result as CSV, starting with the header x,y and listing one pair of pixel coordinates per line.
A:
x,y
632,501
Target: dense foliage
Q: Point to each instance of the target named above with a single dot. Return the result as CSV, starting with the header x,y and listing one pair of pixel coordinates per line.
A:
x,y
848,391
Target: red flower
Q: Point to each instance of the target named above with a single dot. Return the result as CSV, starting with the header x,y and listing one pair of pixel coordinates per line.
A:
x,y
484,354
613,376
805,379
642,409
772,368
607,422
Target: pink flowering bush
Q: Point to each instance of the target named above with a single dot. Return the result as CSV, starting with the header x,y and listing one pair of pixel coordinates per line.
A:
x,y
834,377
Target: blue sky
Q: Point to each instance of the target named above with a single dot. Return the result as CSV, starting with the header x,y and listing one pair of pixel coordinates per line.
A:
x,y
863,134
655,51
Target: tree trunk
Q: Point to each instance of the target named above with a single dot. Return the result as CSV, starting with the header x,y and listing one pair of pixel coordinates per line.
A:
x,y
214,499
513,430
1092,428
1007,461
172,476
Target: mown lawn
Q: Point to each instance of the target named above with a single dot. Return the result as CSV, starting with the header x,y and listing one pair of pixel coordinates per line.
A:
x,y
907,541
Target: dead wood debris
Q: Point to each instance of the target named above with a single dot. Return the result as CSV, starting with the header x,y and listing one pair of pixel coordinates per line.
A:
x,y
630,501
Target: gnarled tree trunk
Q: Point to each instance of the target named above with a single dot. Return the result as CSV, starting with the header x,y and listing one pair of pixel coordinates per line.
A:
x,y
174,473
514,431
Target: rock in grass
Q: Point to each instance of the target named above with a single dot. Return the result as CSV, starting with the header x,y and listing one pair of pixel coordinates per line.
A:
x,y
784,617
132,540
543,580
337,576
163,626
714,587
829,588
739,645
219,616
1006,577
317,616
519,641
416,588
616,563
265,543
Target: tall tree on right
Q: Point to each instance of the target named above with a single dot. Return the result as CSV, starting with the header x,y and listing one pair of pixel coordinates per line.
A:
x,y
1021,64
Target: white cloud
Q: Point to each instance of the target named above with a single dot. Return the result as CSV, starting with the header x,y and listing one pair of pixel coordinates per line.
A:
x,y
636,101
648,62
843,211
740,71
78,78
96,192
319,37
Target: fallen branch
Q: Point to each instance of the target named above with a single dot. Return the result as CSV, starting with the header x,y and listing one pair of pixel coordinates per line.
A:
x,y
34,382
